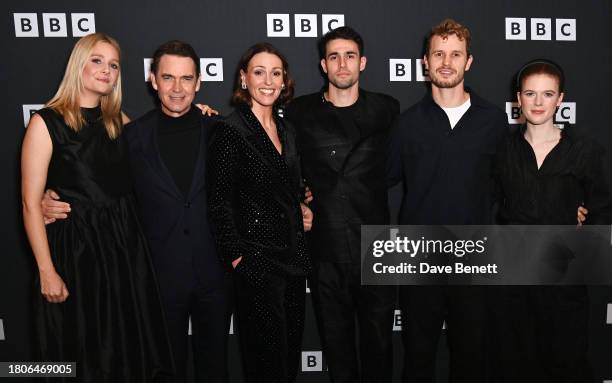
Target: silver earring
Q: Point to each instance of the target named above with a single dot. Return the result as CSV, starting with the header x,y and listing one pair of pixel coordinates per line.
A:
x,y
283,86
243,85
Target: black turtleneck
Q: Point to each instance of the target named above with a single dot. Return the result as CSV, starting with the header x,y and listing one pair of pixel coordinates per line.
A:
x,y
178,139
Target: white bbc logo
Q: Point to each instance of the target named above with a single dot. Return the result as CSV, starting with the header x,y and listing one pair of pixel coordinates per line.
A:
x,y
566,112
513,111
540,28
54,24
211,69
397,320
401,70
313,361
28,111
304,24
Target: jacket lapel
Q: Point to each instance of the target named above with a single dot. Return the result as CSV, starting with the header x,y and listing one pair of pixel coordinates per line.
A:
x,y
198,179
254,134
154,160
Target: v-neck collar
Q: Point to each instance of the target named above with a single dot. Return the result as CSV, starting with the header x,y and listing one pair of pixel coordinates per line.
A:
x,y
257,128
550,156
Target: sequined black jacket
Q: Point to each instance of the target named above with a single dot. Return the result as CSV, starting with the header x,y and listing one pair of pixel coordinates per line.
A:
x,y
253,198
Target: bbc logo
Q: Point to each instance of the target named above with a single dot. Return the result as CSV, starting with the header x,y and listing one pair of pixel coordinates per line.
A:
x,y
541,29
211,69
313,361
54,24
565,113
305,25
28,111
397,321
401,70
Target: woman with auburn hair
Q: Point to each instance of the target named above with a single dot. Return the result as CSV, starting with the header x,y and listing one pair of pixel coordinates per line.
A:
x,y
545,172
99,304
254,196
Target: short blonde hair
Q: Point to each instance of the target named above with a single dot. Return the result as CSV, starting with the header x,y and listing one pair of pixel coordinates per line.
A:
x,y
66,99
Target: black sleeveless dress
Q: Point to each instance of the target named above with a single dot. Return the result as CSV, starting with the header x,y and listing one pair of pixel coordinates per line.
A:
x,y
112,323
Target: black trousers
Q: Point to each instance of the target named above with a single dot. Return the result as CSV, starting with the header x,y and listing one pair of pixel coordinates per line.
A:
x,y
210,309
270,322
338,299
544,331
424,310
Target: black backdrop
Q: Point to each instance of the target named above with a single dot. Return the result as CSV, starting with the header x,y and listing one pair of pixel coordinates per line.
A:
x,y
37,37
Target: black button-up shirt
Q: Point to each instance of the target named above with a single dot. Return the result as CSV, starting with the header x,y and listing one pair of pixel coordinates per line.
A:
x,y
446,173
570,176
343,153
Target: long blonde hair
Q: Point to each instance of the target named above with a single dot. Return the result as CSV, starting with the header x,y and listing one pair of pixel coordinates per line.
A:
x,y
66,99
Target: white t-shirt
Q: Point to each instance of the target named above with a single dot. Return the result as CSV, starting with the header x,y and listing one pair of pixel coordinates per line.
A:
x,y
455,114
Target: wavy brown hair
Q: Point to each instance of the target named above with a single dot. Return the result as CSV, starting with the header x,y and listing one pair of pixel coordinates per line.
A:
x,y
66,99
242,96
450,27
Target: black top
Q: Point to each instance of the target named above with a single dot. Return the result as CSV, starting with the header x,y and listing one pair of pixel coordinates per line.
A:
x,y
178,139
254,198
571,175
446,173
176,224
343,152
86,166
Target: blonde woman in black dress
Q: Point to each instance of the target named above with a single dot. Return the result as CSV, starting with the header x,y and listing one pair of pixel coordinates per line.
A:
x,y
99,303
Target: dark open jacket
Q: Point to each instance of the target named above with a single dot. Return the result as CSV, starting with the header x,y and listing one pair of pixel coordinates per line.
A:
x,y
176,226
343,163
254,199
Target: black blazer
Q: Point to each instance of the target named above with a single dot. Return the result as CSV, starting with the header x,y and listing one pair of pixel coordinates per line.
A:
x,y
253,198
175,225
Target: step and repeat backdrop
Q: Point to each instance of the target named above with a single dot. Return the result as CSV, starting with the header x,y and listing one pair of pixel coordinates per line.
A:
x,y
37,37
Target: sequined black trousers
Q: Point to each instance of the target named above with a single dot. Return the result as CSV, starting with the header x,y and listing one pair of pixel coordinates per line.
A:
x,y
270,322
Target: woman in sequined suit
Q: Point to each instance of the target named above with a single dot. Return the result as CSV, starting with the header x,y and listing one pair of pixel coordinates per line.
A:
x,y
254,193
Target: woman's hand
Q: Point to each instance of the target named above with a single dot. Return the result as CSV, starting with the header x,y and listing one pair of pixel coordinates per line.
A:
x,y
53,287
236,261
207,110
307,217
